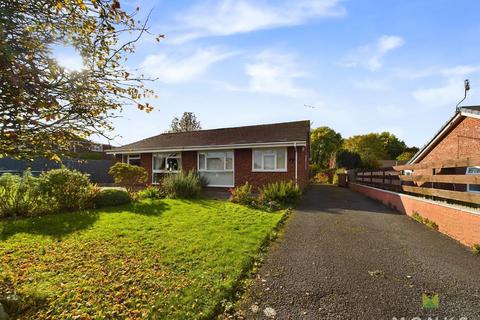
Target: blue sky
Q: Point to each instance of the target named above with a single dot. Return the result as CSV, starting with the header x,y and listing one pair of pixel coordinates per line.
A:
x,y
365,65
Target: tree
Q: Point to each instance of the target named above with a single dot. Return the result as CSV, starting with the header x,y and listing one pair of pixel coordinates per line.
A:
x,y
370,147
348,160
43,106
127,175
188,122
325,142
393,145
407,154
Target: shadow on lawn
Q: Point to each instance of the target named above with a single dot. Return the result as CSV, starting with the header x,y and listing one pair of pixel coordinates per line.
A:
x,y
149,207
54,225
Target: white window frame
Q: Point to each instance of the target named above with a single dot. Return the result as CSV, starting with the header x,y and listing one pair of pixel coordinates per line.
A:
x,y
166,154
263,160
467,173
224,165
133,157
97,148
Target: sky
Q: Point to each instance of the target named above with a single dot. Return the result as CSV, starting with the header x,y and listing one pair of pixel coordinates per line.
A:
x,y
357,66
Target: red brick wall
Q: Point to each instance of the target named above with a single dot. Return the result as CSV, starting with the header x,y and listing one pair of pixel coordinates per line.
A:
x,y
459,224
189,160
461,142
146,163
243,168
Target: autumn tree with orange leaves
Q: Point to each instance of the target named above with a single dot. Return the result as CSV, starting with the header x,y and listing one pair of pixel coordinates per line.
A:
x,y
43,106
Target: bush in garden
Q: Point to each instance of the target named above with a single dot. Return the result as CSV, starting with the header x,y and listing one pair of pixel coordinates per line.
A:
x,y
20,196
282,193
111,197
127,175
69,189
335,176
242,194
151,192
181,185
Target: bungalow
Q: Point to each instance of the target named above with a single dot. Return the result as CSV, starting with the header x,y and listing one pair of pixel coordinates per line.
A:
x,y
458,138
227,157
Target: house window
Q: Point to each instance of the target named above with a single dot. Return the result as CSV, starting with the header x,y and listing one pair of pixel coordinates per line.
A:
x,y
475,188
270,159
96,148
217,167
164,163
133,159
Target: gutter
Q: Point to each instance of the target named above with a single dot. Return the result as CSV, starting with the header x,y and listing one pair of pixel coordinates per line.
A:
x,y
210,147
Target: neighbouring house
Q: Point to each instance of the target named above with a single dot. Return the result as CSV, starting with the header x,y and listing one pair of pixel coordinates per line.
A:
x,y
458,138
227,157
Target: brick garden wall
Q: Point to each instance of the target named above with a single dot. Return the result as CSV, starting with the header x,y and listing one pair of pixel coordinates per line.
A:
x,y
461,225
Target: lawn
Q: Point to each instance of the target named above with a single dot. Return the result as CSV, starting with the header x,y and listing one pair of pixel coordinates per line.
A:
x,y
165,259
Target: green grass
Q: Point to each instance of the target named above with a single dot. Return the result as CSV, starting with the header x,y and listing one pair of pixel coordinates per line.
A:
x,y
163,259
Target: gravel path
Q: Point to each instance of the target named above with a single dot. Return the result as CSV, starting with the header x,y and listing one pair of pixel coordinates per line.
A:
x,y
343,256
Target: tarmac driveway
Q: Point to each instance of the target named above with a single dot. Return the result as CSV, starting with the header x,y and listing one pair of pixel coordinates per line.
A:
x,y
344,256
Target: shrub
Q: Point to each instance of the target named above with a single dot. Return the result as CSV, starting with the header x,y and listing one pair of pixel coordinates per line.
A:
x,y
324,176
111,197
321,177
69,189
283,193
242,194
182,185
151,192
335,176
20,196
127,175
476,249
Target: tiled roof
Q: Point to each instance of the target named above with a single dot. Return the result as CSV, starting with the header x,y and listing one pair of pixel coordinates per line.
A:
x,y
266,133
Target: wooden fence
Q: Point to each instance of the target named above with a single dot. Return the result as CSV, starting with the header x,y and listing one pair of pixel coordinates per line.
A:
x,y
427,179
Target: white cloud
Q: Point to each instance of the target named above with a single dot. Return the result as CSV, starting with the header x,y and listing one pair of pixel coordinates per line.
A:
x,y
227,17
68,58
177,69
371,56
449,93
274,73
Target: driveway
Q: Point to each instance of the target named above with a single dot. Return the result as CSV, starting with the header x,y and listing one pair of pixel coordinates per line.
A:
x,y
343,256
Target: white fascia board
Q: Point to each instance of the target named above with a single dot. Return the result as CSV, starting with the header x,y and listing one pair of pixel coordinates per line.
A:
x,y
470,114
216,147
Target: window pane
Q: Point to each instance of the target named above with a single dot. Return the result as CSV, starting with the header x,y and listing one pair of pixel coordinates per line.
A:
x,y
201,161
281,161
269,162
158,162
473,170
134,162
219,178
474,187
257,159
174,164
216,154
215,164
229,161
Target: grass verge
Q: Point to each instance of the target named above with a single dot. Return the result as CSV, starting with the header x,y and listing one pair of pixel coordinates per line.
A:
x,y
165,259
